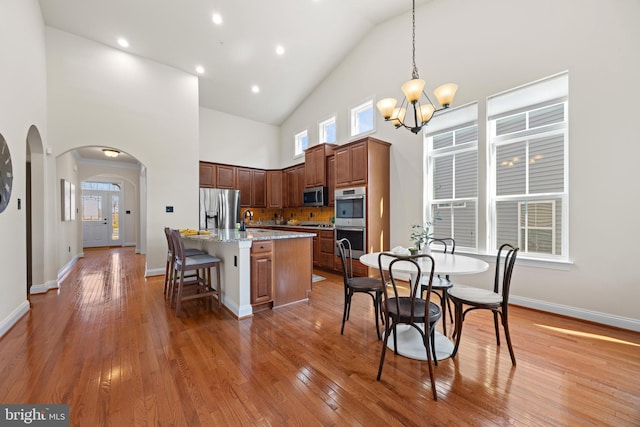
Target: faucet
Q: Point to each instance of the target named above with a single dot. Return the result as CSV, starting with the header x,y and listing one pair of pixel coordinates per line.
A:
x,y
243,226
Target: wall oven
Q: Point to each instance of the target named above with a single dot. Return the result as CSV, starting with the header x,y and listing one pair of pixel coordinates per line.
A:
x,y
351,219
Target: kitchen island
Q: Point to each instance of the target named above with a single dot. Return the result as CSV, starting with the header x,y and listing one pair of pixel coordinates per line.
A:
x,y
260,268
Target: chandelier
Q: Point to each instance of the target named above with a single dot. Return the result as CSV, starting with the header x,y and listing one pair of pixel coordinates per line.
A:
x,y
110,153
420,112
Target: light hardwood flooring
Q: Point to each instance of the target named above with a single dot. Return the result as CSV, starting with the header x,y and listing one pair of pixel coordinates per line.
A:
x,y
107,344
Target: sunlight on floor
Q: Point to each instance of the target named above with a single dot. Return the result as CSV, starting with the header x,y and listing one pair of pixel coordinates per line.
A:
x,y
588,335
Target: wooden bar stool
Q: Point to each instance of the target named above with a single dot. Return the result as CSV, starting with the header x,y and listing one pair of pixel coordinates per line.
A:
x,y
198,285
168,272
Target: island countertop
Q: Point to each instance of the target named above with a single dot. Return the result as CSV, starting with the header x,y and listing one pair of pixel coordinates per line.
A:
x,y
231,235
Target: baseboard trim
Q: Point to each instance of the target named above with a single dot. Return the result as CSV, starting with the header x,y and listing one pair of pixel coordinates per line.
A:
x,y
578,313
13,317
44,288
154,272
67,267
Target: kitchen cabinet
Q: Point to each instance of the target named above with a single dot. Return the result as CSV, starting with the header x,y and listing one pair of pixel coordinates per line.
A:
x,y
252,186
315,165
326,249
351,164
331,179
225,177
274,189
207,175
261,272
294,179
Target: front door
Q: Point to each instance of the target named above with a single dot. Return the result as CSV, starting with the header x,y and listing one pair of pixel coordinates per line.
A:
x,y
100,218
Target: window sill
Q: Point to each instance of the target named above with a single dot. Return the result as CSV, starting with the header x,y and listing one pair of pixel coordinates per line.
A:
x,y
526,261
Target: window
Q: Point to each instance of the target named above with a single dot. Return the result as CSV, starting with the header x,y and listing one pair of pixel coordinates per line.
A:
x,y
452,175
528,192
301,143
327,130
362,118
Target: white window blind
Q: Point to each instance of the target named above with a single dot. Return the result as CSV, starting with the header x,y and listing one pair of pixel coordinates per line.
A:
x,y
528,157
452,178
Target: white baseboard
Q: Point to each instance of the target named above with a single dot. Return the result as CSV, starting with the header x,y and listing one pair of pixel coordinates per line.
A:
x,y
129,244
154,272
44,288
578,313
13,317
65,269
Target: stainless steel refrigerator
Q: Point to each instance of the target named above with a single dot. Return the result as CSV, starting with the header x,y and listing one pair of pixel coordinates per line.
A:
x,y
219,208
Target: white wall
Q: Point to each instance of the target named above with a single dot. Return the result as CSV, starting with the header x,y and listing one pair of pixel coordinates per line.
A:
x,y
490,46
22,104
225,138
69,241
102,96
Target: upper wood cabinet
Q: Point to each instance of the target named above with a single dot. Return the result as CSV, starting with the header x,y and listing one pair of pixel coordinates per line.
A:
x,y
315,164
252,186
331,179
294,184
351,164
225,177
274,189
207,175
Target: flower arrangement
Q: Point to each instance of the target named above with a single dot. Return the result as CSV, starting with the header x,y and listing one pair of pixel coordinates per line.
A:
x,y
420,234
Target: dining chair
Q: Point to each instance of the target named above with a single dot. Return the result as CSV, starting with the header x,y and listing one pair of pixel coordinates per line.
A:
x,y
496,300
419,313
168,272
440,284
367,285
200,286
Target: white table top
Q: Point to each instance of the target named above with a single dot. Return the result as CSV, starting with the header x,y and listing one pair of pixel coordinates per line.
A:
x,y
444,264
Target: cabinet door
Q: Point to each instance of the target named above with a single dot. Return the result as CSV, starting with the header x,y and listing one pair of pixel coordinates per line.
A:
x,y
261,278
259,188
314,173
226,177
343,167
300,189
274,189
243,182
359,160
292,187
331,179
316,251
207,175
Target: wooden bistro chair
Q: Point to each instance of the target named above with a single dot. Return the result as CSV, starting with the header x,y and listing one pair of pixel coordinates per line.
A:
x,y
497,300
419,313
200,286
441,285
367,285
168,272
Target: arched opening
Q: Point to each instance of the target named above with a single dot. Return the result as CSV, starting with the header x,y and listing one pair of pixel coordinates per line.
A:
x,y
35,212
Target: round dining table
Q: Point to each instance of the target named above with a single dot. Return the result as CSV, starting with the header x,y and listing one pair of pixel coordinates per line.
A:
x,y
409,340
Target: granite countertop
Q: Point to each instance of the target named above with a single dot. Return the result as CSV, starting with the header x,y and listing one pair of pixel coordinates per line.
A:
x,y
303,225
231,235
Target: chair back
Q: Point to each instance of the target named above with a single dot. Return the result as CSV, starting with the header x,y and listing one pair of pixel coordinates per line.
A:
x,y
344,251
178,247
503,286
167,233
448,243
419,262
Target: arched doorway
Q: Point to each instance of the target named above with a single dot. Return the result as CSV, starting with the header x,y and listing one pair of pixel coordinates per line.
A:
x,y
35,208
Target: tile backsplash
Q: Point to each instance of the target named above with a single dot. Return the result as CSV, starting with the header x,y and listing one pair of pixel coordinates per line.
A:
x,y
315,214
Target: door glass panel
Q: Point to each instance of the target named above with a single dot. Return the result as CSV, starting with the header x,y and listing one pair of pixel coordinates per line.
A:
x,y
115,221
91,208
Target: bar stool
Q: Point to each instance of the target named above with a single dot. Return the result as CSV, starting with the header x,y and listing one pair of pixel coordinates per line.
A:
x,y
168,272
199,286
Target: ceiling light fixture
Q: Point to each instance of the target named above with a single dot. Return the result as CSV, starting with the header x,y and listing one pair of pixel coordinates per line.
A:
x,y
199,69
123,42
280,50
255,89
413,90
110,153
217,18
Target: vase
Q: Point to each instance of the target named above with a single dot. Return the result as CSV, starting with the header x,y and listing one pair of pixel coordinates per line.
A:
x,y
426,249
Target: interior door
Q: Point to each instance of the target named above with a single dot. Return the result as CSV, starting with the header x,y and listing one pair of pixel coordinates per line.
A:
x,y
101,218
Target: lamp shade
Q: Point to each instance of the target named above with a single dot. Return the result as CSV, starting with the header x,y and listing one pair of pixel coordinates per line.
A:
x,y
425,112
413,89
445,93
397,118
386,106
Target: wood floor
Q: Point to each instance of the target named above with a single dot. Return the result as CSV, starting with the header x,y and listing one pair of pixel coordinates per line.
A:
x,y
107,344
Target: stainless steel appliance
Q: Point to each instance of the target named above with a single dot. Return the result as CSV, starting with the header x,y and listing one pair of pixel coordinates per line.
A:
x,y
219,208
351,218
316,196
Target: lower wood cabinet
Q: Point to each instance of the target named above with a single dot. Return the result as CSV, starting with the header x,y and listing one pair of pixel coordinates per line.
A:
x,y
261,272
326,249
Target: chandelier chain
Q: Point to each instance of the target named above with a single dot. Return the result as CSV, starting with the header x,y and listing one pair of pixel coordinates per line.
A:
x,y
414,74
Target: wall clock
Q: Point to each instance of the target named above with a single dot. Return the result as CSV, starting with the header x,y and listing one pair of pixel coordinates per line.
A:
x,y
6,174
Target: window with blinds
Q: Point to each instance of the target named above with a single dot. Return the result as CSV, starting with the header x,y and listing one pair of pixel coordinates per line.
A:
x,y
452,178
528,174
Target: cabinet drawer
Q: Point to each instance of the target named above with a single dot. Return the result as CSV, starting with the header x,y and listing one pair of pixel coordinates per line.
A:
x,y
327,246
261,246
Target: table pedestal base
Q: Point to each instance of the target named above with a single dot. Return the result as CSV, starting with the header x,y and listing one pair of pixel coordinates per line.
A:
x,y
410,344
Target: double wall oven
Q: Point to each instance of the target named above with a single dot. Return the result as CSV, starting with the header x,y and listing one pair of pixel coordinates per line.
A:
x,y
351,218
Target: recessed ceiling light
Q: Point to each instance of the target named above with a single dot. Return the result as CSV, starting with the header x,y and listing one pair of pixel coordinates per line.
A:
x,y
217,18
123,42
280,50
199,69
255,88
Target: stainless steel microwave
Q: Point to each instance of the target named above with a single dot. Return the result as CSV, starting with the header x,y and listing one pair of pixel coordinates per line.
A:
x,y
316,196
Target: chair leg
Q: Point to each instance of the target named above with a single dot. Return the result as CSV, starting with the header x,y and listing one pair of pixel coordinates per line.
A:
x,y
218,287
495,324
458,326
432,334
166,277
505,325
347,306
427,340
179,296
376,307
443,308
384,348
